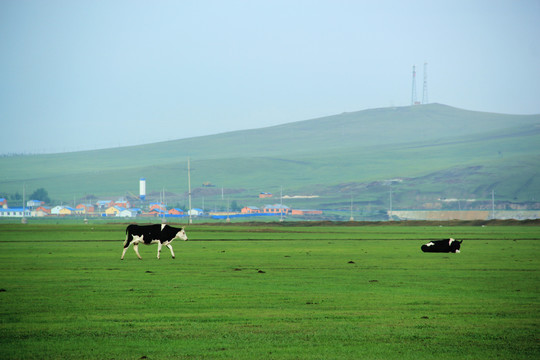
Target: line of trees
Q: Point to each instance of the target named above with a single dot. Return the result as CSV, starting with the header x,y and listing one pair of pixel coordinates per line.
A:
x,y
40,194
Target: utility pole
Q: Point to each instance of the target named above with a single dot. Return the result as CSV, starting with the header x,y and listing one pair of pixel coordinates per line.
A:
x,y
281,205
228,207
390,212
351,218
493,204
23,220
164,206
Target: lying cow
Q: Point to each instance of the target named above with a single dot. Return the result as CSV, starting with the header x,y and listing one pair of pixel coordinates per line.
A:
x,y
160,234
442,246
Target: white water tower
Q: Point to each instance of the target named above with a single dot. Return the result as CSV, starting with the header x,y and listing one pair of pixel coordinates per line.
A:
x,y
142,189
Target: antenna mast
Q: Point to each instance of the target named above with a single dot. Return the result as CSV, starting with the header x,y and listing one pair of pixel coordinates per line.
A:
x,y
413,92
424,90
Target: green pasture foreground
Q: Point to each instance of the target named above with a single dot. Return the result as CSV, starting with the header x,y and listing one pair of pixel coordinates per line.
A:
x,y
270,292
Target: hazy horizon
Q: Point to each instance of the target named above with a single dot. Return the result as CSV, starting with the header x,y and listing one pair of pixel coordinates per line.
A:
x,y
86,75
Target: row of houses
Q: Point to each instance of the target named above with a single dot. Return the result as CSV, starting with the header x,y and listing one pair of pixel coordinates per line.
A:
x,y
122,208
278,209
76,211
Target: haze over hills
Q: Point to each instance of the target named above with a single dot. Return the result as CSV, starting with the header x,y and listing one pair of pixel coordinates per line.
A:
x,y
431,151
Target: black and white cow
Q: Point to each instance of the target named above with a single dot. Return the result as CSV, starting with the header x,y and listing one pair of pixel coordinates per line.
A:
x,y
160,234
442,246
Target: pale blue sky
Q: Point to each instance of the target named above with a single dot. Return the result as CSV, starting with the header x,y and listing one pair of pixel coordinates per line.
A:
x,y
78,75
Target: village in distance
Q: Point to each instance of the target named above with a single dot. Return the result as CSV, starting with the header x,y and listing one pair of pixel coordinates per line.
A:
x,y
140,208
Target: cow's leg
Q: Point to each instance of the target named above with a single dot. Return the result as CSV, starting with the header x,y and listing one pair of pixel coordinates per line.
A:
x,y
136,248
159,245
124,252
170,248
126,245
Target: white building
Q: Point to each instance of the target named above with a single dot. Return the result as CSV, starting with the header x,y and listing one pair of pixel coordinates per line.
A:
x,y
33,203
195,212
128,213
56,210
14,212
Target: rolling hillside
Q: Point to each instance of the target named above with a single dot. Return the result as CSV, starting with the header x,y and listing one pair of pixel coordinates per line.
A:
x,y
432,151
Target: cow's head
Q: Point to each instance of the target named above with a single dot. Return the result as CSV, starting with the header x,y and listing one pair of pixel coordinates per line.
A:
x,y
181,234
455,245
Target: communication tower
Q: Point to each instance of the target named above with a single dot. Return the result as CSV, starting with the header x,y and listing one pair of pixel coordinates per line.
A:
x,y
424,90
413,93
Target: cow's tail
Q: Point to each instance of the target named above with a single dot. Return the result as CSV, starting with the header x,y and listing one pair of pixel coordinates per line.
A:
x,y
127,235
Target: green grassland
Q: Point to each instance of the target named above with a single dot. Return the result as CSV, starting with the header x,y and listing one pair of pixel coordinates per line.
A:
x,y
270,291
437,150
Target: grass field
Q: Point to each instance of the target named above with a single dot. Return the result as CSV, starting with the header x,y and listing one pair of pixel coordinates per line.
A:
x,y
270,292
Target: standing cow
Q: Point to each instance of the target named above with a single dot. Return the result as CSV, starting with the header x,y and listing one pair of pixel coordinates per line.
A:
x,y
160,234
442,246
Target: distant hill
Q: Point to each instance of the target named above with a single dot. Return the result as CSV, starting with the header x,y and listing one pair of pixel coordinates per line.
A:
x,y
431,151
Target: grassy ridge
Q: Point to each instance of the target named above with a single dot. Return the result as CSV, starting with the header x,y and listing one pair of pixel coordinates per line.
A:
x,y
319,292
417,143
